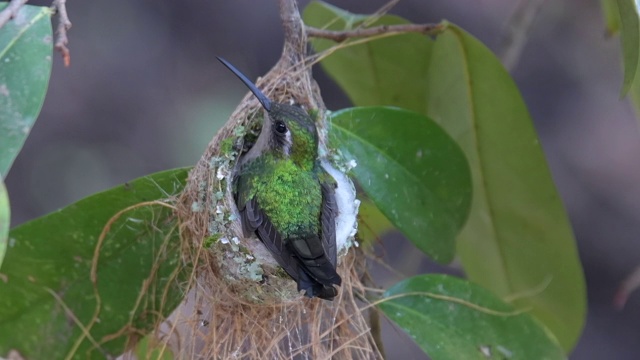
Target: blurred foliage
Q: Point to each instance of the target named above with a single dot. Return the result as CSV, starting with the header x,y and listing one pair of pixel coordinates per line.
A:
x,y
611,16
626,20
630,33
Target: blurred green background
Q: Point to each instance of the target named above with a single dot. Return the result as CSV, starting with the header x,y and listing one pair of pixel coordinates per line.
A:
x,y
144,93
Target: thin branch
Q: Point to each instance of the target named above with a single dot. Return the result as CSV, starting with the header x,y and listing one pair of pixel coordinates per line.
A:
x,y
340,36
61,33
10,11
295,39
518,27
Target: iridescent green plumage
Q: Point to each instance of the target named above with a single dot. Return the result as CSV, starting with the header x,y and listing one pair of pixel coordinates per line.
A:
x,y
287,199
292,198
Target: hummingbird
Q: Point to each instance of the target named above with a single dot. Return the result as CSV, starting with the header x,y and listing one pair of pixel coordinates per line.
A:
x,y
286,198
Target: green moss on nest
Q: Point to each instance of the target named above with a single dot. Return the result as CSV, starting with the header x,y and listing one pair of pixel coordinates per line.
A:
x,y
210,240
226,147
314,114
281,273
251,133
243,250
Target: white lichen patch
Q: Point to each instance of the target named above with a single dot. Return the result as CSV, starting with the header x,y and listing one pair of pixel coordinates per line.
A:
x,y
337,165
254,271
240,264
351,164
347,219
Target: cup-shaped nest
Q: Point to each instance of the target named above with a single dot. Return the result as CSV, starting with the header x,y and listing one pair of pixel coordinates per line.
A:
x,y
241,304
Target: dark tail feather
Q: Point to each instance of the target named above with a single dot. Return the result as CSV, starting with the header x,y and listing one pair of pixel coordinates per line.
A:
x,y
321,270
314,261
313,288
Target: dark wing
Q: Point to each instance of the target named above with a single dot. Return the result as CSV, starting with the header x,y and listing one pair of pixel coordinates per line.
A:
x,y
317,252
328,219
255,220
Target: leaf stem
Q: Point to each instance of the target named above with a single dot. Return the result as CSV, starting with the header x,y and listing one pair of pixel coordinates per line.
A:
x,y
340,36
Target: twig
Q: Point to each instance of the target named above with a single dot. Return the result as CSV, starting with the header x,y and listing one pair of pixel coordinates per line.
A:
x,y
61,33
340,36
518,27
10,11
295,39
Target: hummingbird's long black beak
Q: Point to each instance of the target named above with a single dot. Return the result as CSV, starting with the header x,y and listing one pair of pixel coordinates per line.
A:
x,y
264,100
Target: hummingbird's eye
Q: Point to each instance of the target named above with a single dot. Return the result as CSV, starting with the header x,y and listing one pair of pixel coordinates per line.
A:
x,y
281,127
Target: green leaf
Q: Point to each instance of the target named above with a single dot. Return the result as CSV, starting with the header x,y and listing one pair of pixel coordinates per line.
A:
x,y
372,224
26,45
450,318
47,292
634,97
151,349
630,37
373,73
5,216
518,241
611,16
411,169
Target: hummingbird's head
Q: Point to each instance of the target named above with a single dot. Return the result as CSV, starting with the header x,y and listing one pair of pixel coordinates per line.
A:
x,y
287,130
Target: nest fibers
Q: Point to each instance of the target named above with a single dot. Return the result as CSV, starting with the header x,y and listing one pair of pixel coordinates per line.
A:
x,y
241,304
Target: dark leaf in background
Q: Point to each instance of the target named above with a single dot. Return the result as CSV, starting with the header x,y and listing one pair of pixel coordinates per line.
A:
x,y
611,16
630,35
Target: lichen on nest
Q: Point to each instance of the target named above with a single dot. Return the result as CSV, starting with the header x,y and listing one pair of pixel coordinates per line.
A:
x,y
210,194
250,306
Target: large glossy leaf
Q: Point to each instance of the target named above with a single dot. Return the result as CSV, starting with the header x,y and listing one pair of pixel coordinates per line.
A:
x,y
630,34
518,241
411,169
452,319
5,214
47,297
25,65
